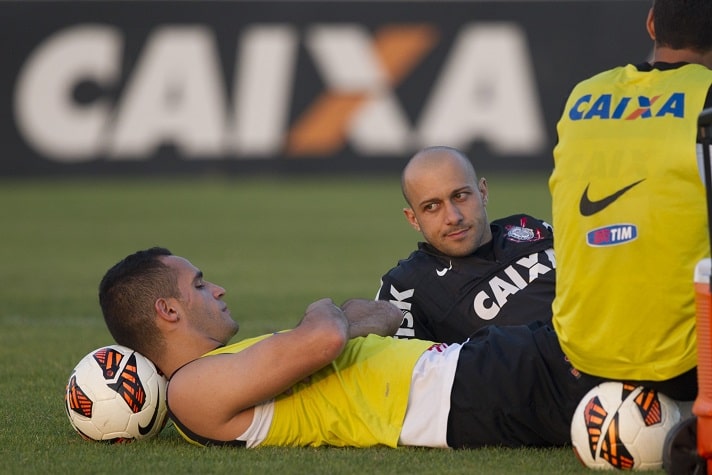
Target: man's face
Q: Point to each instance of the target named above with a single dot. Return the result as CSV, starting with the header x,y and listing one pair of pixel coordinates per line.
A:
x,y
448,208
201,302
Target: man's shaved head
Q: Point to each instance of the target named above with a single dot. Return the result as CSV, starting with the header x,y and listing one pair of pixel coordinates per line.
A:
x,y
429,160
447,203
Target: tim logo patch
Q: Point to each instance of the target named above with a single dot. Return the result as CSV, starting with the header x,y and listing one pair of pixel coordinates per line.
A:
x,y
612,235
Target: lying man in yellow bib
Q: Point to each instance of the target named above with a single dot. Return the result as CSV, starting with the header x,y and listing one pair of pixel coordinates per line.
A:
x,y
338,378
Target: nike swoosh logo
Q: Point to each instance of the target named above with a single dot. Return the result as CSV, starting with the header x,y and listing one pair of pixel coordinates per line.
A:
x,y
442,272
145,430
589,208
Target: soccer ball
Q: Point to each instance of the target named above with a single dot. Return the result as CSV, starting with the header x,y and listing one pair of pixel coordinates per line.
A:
x,y
622,426
116,394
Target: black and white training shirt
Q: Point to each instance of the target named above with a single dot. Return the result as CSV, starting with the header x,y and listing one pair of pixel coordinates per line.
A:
x,y
508,281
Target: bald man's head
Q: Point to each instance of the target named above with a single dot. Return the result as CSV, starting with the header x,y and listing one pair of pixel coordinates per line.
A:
x,y
447,203
429,161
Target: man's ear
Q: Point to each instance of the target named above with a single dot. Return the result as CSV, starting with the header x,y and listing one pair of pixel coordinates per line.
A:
x,y
650,24
482,186
166,309
410,216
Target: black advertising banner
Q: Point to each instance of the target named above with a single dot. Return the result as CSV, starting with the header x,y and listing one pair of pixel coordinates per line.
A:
x,y
129,87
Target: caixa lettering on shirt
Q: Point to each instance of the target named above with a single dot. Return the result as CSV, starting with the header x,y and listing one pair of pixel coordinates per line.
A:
x,y
512,279
605,106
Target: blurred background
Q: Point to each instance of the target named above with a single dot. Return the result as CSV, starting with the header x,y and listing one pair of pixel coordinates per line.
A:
x,y
91,88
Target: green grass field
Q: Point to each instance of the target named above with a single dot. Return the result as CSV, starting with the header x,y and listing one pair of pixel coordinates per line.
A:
x,y
275,245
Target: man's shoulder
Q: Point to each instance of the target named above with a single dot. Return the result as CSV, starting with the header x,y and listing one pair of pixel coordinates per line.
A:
x,y
418,258
605,74
420,261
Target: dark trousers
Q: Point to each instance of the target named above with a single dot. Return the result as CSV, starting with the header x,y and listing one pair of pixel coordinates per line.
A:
x,y
683,387
514,387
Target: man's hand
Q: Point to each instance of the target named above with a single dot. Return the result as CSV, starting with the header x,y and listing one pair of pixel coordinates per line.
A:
x,y
371,317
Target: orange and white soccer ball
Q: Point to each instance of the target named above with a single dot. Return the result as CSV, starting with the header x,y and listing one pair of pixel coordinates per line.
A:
x,y
115,394
622,426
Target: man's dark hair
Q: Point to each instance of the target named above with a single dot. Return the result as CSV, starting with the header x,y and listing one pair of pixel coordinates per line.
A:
x,y
127,294
683,24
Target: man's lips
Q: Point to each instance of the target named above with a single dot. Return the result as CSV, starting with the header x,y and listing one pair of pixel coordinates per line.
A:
x,y
458,233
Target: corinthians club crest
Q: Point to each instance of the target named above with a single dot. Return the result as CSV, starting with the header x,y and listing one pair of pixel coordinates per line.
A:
x,y
522,234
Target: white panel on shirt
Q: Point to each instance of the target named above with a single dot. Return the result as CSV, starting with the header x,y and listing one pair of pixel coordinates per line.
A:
x,y
261,422
425,423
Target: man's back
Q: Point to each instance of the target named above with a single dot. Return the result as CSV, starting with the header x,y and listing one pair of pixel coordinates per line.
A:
x,y
629,210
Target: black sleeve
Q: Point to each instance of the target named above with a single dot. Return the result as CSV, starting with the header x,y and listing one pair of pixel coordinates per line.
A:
x,y
414,324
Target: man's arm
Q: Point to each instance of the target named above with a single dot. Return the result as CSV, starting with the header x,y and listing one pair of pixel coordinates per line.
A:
x,y
366,317
214,396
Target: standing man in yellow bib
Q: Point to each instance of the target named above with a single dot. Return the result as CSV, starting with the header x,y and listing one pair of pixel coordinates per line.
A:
x,y
629,208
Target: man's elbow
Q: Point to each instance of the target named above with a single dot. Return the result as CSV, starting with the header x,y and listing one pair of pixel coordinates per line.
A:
x,y
332,343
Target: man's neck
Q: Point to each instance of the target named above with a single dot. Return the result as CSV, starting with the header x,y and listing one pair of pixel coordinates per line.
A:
x,y
664,54
176,356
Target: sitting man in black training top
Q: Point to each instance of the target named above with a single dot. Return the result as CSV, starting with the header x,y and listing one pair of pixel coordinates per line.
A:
x,y
469,273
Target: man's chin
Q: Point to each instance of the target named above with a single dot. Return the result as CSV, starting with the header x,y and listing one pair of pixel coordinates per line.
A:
x,y
459,248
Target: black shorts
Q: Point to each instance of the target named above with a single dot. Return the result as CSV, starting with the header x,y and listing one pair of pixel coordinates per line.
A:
x,y
683,387
514,387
